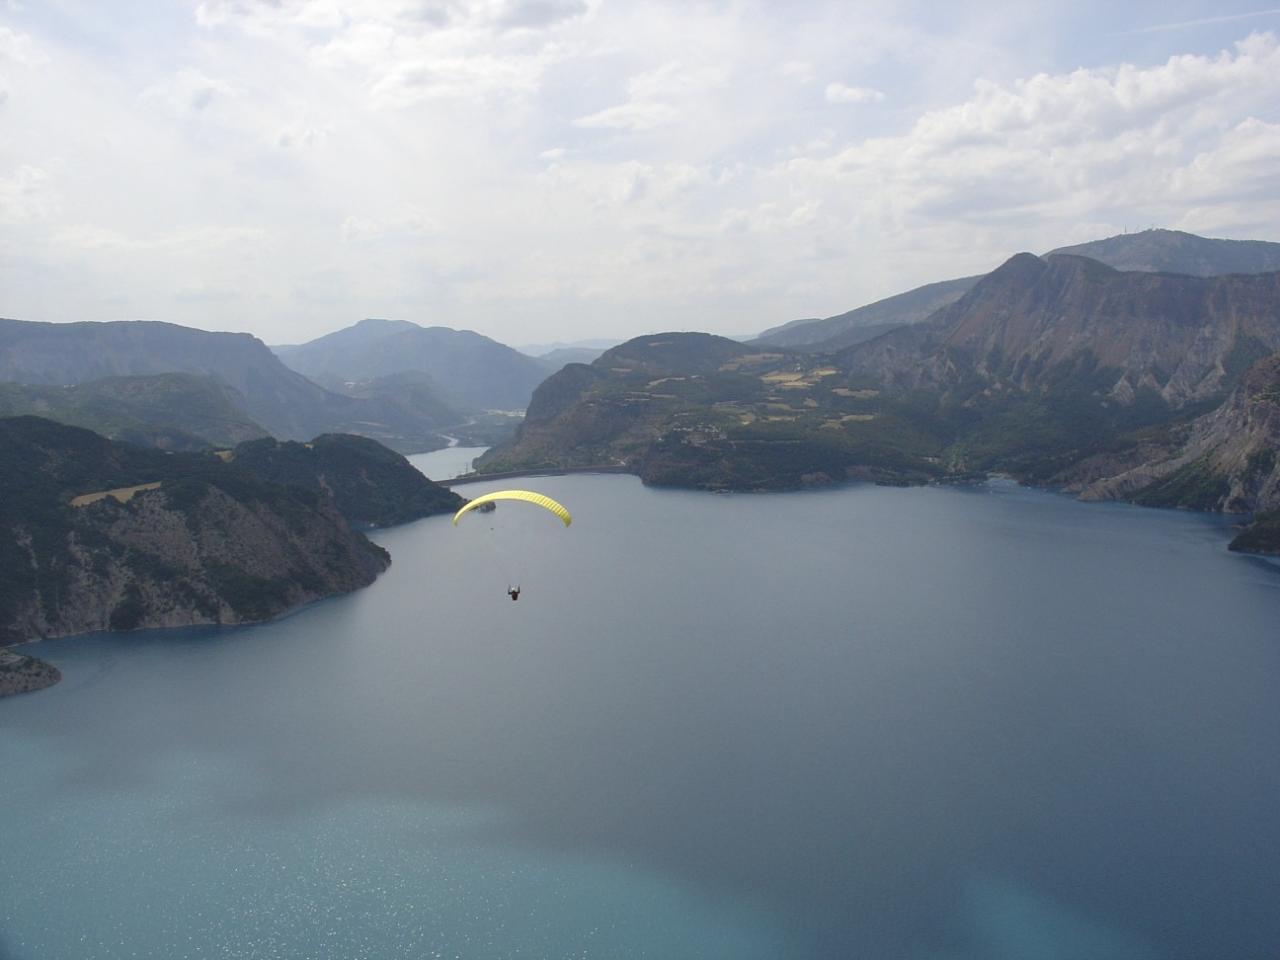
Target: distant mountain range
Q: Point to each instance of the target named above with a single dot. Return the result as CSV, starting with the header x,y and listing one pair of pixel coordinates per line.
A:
x,y
214,387
470,371
283,402
866,323
1150,251
1172,251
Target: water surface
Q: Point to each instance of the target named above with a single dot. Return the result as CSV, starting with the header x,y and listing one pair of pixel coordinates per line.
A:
x,y
935,724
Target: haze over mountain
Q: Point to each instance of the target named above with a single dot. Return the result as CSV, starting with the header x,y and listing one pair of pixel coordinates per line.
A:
x,y
472,371
1174,251
282,401
1154,251
175,411
866,323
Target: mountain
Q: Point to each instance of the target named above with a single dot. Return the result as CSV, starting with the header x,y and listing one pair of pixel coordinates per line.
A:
x,y
173,411
599,345
282,401
98,535
868,322
472,371
1172,251
553,360
1224,460
1227,459
1033,320
184,538
370,485
1044,363
1151,251
696,410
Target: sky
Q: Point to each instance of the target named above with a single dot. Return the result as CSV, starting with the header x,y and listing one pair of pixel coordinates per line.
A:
x,y
558,170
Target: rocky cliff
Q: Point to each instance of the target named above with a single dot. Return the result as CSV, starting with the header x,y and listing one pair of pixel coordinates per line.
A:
x,y
179,539
1225,460
1183,339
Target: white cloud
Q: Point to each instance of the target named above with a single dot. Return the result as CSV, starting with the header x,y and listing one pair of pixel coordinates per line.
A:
x,y
186,92
840,93
657,97
467,161
301,134
26,197
800,71
537,14
404,228
20,48
1076,144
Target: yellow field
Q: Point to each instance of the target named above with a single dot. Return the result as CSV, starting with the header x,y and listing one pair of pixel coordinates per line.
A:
x,y
123,494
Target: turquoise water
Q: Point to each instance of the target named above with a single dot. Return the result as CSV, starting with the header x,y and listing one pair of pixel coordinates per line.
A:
x,y
935,724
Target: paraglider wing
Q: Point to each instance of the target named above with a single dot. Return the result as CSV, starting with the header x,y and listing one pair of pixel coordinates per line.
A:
x,y
527,495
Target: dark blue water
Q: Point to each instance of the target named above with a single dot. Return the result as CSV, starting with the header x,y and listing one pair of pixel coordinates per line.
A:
x,y
933,724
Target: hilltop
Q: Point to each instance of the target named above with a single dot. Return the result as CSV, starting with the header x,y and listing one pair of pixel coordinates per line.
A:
x,y
469,371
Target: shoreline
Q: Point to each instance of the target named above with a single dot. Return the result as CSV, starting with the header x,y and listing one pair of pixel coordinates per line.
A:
x,y
536,472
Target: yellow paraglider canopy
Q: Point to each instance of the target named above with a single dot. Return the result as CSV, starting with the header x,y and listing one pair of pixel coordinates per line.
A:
x,y
527,495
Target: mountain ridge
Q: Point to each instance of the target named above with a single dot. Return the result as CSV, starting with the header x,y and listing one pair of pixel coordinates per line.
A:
x,y
473,371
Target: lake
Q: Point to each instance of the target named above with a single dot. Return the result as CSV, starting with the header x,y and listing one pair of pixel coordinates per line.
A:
x,y
933,724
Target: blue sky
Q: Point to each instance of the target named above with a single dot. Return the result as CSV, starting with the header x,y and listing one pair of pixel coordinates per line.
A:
x,y
543,170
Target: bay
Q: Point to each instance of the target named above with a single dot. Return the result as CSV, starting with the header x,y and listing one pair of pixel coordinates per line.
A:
x,y
865,722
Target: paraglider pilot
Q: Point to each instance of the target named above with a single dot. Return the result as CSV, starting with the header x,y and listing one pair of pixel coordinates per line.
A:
x,y
514,592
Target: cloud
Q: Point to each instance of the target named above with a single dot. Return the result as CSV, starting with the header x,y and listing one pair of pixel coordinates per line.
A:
x,y
718,163
1080,143
266,15
404,228
26,197
537,14
801,71
187,92
656,98
301,134
840,93
20,48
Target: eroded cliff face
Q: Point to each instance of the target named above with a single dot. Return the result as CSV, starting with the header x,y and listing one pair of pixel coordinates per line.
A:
x,y
188,553
1183,338
1228,459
